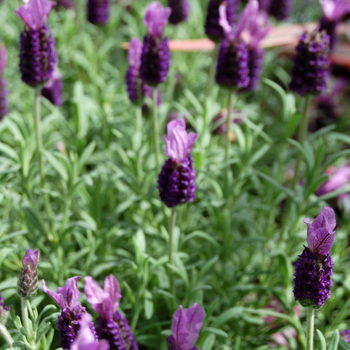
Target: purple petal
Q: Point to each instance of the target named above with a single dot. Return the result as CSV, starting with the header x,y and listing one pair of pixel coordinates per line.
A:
x,y
156,18
93,291
223,19
58,298
186,326
34,13
192,138
3,58
31,259
70,292
85,340
247,16
111,287
335,9
134,53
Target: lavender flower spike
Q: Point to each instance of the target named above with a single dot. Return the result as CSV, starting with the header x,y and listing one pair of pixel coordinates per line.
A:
x,y
176,181
53,89
212,27
281,9
180,10
185,328
112,325
3,89
311,64
333,11
37,46
256,28
28,277
98,11
85,339
137,89
69,322
155,57
232,69
313,269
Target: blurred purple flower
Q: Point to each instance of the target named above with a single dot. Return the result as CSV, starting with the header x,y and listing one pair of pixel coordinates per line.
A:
x,y
53,88
37,46
310,73
155,57
313,270
86,339
67,4
4,311
338,177
232,69
176,181
212,27
185,328
112,326
219,121
346,335
280,9
180,10
3,85
98,11
28,277
137,89
333,11
69,322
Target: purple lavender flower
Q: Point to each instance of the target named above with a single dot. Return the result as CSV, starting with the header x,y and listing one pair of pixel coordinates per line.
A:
x,y
256,28
185,328
112,325
155,57
333,11
4,311
338,177
176,181
346,335
86,339
3,88
37,46
28,277
212,27
313,270
69,322
311,64
280,9
137,89
53,89
98,11
180,10
232,69
264,5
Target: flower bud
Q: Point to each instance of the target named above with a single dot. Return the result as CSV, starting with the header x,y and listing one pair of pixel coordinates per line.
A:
x,y
28,277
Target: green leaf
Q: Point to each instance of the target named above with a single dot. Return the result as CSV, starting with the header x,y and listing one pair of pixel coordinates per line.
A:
x,y
216,331
208,342
333,343
21,345
282,95
227,315
321,339
148,304
42,330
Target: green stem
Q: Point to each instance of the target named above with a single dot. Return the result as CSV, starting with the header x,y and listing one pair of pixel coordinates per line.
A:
x,y
139,120
302,137
172,223
6,335
310,328
212,71
25,318
155,128
228,141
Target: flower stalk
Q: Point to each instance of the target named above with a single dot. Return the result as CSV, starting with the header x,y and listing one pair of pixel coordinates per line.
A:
x,y
155,128
172,223
6,335
310,328
228,141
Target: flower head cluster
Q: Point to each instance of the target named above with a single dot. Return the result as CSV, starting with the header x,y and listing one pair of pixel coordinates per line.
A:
x,y
137,89
3,88
180,10
280,9
213,29
313,269
176,181
86,339
28,277
185,328
311,64
112,326
53,89
37,51
69,322
333,11
155,57
98,11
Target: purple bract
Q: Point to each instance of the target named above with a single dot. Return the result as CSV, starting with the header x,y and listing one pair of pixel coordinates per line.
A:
x,y
180,10
53,89
98,11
